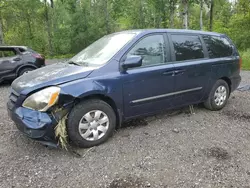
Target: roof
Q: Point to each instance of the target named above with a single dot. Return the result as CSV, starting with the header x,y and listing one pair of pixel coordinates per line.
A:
x,y
171,30
5,46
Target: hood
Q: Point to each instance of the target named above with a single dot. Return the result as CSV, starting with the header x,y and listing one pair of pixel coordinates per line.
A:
x,y
50,75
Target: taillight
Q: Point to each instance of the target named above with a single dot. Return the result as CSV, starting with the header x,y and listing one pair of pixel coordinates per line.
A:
x,y
240,62
37,56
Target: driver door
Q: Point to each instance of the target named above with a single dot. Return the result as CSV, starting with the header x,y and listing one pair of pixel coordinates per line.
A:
x,y
149,88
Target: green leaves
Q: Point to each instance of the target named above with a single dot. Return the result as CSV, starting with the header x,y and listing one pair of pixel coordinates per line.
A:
x,y
68,26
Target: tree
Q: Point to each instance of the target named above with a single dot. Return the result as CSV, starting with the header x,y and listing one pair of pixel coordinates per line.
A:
x,y
1,31
172,6
201,13
211,15
185,14
48,27
61,27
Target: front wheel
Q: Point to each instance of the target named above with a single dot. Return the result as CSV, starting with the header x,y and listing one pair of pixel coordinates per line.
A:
x,y
218,96
91,123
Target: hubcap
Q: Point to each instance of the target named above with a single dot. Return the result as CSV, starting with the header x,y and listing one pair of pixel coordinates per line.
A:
x,y
220,95
93,125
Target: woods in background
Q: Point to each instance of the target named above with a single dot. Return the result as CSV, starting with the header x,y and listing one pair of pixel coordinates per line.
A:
x,y
58,27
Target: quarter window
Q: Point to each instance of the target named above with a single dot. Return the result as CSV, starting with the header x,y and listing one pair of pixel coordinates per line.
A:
x,y
218,46
151,49
187,47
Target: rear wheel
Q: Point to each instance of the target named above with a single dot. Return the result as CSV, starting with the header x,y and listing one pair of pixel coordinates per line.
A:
x,y
25,71
91,123
218,96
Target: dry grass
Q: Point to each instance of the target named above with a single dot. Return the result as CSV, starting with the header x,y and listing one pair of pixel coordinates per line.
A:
x,y
61,130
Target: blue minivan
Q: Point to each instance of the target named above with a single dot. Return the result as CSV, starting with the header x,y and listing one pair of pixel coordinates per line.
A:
x,y
122,76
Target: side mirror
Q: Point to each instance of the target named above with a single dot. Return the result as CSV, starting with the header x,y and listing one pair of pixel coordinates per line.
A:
x,y
132,61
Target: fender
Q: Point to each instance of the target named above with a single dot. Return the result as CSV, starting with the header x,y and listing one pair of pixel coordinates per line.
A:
x,y
84,88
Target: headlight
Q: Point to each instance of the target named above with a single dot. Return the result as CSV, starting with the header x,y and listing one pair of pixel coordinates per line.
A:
x,y
42,100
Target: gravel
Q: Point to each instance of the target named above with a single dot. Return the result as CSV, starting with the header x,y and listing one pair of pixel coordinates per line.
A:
x,y
172,149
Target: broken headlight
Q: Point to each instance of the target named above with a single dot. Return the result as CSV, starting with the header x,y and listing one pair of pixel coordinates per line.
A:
x,y
42,100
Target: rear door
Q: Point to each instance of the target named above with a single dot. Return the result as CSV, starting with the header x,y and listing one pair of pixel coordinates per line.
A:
x,y
9,61
192,67
149,88
224,58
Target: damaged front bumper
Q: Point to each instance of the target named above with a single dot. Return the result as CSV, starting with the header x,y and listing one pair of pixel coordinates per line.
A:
x,y
34,124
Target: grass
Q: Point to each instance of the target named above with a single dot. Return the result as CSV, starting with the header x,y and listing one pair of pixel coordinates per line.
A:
x,y
245,55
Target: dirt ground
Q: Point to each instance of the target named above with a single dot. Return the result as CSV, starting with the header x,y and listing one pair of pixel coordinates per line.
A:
x,y
173,149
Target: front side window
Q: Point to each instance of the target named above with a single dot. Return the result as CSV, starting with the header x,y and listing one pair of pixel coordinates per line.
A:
x,y
187,47
151,49
101,51
217,46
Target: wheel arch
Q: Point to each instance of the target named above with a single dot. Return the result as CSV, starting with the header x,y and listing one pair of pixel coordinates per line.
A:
x,y
106,99
228,81
23,67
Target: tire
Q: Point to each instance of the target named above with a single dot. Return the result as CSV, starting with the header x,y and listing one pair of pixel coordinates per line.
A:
x,y
218,96
80,113
25,71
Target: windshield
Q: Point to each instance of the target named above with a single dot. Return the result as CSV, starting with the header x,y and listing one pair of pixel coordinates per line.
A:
x,y
101,51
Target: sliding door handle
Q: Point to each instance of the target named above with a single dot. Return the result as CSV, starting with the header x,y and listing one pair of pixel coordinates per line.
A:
x,y
169,73
178,72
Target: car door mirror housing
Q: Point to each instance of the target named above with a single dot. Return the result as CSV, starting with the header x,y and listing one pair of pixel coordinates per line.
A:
x,y
131,62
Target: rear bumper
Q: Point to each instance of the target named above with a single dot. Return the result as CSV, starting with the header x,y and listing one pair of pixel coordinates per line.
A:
x,y
34,124
235,82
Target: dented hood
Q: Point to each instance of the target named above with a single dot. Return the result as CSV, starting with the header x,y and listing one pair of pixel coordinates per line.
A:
x,y
50,75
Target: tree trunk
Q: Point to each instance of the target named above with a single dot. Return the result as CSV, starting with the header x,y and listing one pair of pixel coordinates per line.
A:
x,y
185,14
172,10
48,27
52,3
201,11
141,15
164,16
1,30
211,16
29,27
106,11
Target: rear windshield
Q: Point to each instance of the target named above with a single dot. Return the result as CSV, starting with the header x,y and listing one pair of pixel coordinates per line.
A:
x,y
218,46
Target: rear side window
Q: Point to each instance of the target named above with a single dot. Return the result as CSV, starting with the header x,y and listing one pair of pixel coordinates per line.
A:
x,y
218,46
187,47
7,52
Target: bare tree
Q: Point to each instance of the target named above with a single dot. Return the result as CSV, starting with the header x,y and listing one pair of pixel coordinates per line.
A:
x,y
1,28
172,11
48,27
211,15
185,14
201,13
1,32
141,14
52,3
106,12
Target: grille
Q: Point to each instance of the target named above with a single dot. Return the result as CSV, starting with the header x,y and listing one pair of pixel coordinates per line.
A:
x,y
13,95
